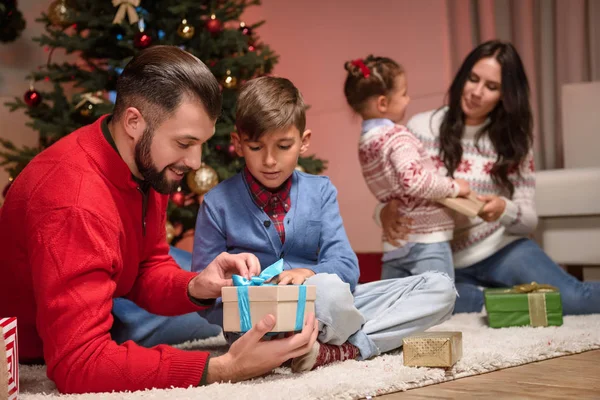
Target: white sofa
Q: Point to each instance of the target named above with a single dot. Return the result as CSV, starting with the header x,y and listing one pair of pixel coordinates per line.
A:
x,y
568,200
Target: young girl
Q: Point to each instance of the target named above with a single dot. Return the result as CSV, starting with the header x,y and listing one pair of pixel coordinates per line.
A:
x,y
396,166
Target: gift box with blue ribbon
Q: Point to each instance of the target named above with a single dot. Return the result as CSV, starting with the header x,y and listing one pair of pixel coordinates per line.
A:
x,y
249,300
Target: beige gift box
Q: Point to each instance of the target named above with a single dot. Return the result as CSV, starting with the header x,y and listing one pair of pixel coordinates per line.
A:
x,y
280,301
432,349
469,206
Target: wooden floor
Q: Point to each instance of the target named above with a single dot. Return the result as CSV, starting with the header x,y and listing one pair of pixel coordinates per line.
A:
x,y
570,377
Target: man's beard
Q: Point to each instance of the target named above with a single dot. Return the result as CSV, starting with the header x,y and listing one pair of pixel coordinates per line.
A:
x,y
143,160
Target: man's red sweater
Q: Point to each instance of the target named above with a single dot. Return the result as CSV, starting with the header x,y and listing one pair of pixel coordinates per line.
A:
x,y
71,240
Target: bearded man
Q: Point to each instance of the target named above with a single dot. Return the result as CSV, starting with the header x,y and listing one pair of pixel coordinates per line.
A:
x,y
84,223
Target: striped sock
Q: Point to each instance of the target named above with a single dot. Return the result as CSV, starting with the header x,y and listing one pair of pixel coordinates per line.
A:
x,y
323,354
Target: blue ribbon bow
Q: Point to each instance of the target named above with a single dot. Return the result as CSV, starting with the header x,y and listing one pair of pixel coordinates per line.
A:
x,y
267,274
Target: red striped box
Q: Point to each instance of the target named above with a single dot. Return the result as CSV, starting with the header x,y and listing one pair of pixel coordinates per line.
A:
x,y
8,328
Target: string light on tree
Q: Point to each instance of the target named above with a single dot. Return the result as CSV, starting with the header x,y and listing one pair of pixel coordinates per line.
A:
x,y
231,151
229,81
185,30
245,29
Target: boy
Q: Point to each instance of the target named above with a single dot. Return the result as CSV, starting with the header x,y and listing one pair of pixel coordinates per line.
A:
x,y
275,212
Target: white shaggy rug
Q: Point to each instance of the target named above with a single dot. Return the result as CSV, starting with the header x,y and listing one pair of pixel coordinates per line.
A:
x,y
484,350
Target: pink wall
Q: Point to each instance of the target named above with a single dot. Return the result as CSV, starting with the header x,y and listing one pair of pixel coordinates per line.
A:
x,y
314,39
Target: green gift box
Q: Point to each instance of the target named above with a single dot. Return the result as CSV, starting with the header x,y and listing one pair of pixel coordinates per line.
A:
x,y
529,304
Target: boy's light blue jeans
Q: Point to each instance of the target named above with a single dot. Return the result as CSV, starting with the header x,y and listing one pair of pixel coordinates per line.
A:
x,y
523,261
378,315
421,258
148,330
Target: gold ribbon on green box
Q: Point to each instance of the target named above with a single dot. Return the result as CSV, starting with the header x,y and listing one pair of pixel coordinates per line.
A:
x,y
536,297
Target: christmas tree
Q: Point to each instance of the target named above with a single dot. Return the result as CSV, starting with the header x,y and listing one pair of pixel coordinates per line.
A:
x,y
104,35
11,21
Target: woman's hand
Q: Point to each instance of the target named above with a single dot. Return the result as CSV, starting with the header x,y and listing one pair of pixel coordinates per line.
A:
x,y
395,226
493,208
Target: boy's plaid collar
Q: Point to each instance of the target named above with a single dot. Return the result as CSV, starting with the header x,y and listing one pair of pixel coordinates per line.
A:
x,y
261,195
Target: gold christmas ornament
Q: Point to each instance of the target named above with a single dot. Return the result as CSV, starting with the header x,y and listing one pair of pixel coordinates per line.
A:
x,y
202,180
170,232
60,14
185,30
300,168
230,81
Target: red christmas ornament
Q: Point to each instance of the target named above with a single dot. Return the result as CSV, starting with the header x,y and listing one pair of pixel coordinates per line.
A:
x,y
178,198
213,25
32,97
142,40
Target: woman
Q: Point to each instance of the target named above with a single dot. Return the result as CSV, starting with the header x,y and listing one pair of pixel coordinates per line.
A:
x,y
484,136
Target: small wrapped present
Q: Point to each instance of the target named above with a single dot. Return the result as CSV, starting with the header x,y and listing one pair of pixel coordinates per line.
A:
x,y
529,304
250,300
432,349
9,367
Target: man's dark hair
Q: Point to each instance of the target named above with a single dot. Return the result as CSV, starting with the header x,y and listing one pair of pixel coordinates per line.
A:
x,y
156,80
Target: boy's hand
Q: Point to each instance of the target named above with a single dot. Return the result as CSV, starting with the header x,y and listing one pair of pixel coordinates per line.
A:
x,y
294,276
463,187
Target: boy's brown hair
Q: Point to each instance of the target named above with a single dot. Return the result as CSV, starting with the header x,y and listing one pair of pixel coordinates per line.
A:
x,y
372,76
269,104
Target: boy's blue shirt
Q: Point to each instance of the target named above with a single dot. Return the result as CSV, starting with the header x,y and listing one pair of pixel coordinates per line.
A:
x,y
315,238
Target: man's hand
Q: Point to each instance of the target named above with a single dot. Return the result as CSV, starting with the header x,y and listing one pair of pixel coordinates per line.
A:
x,y
208,283
249,356
493,208
395,226
294,276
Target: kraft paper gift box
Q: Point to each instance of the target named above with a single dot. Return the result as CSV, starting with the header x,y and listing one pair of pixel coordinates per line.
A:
x,y
9,360
529,304
432,349
283,302
246,303
469,206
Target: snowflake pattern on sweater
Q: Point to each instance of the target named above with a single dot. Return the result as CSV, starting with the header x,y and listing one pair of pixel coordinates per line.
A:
x,y
474,238
395,165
